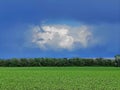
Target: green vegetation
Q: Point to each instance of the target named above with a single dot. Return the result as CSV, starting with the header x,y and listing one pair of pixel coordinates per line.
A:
x,y
117,60
59,78
39,62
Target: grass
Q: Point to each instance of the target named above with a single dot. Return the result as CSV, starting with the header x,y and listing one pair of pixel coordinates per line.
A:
x,y
59,78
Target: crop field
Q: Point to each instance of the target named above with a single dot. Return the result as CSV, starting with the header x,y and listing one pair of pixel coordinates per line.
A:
x,y
59,78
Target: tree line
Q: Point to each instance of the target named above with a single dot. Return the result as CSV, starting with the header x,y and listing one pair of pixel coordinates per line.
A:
x,y
40,62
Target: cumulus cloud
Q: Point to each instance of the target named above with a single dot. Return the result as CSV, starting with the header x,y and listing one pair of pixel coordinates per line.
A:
x,y
62,36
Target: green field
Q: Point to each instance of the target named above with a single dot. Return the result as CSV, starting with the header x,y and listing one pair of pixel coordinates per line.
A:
x,y
59,78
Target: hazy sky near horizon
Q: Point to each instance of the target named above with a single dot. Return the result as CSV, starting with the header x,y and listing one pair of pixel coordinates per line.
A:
x,y
59,28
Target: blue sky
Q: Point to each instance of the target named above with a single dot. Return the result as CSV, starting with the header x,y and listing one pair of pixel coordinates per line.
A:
x,y
59,28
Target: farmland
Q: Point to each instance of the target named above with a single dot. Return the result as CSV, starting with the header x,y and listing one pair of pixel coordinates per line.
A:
x,y
59,78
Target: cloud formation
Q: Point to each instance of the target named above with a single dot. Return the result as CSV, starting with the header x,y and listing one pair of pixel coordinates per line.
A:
x,y
62,36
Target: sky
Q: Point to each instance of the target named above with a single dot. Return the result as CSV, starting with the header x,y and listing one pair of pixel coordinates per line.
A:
x,y
59,28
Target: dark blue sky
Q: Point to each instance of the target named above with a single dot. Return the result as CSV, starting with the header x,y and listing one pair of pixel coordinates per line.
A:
x,y
18,18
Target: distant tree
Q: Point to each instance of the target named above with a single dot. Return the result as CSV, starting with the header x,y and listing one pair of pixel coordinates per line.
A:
x,y
28,62
117,60
24,62
14,62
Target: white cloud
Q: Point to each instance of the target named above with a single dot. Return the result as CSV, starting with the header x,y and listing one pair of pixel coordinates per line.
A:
x,y
62,37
